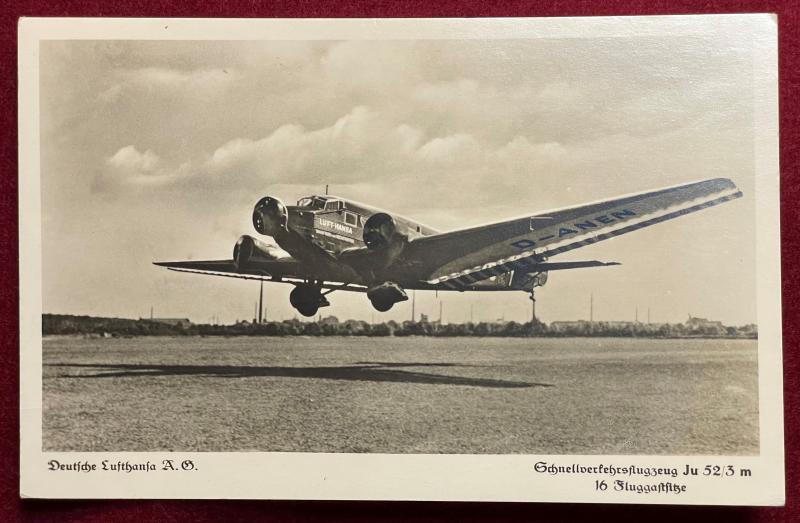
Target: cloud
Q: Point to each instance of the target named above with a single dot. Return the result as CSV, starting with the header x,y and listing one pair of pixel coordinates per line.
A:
x,y
131,160
168,78
193,86
128,167
364,149
294,153
452,149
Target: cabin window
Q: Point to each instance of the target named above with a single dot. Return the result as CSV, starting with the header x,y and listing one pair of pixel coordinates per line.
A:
x,y
419,229
351,219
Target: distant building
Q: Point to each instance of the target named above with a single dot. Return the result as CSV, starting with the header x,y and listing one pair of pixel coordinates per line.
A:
x,y
175,322
423,318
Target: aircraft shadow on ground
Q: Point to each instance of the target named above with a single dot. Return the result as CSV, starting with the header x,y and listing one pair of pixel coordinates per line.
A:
x,y
363,371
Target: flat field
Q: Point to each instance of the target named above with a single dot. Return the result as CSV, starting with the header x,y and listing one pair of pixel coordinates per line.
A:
x,y
401,395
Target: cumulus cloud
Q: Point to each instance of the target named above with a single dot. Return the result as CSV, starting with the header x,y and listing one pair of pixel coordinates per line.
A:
x,y
295,154
361,148
453,149
128,167
130,159
247,117
166,80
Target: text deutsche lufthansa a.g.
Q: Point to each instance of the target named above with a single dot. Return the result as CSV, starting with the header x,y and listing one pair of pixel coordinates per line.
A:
x,y
122,466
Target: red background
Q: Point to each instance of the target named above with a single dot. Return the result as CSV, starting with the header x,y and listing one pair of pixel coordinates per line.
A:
x,y
13,509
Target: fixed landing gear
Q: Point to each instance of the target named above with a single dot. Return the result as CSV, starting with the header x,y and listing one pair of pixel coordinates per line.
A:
x,y
532,297
382,305
538,280
385,295
307,298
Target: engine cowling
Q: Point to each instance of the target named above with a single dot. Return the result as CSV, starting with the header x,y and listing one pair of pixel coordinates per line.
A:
x,y
380,231
248,251
270,216
382,237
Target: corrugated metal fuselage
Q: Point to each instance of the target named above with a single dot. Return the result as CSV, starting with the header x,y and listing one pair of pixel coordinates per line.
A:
x,y
318,237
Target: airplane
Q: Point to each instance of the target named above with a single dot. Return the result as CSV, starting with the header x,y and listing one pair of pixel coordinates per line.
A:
x,y
326,243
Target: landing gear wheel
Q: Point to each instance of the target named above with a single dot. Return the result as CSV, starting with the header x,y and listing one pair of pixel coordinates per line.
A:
x,y
385,295
382,306
307,299
307,310
301,295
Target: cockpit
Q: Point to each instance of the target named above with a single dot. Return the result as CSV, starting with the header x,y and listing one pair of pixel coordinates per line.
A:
x,y
319,203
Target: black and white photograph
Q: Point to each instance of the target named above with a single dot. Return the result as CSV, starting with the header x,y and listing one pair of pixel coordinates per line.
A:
x,y
544,246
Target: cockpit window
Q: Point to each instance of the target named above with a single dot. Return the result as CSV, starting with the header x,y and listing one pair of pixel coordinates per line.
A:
x,y
311,203
333,205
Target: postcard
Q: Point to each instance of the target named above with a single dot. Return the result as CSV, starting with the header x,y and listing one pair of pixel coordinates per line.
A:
x,y
508,259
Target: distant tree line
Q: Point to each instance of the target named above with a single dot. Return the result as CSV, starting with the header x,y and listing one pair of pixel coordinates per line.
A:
x,y
648,330
54,324
62,324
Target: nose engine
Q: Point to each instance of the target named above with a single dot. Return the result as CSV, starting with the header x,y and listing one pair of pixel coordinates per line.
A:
x,y
270,216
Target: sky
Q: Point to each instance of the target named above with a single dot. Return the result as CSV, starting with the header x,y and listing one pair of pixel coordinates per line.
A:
x,y
158,150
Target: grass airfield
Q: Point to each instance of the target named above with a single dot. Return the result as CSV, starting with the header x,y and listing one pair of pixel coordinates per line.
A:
x,y
401,395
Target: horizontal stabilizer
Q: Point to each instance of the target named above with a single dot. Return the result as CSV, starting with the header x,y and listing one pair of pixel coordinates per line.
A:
x,y
558,266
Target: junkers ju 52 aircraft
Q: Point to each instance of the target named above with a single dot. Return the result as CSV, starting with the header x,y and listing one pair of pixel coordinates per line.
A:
x,y
325,243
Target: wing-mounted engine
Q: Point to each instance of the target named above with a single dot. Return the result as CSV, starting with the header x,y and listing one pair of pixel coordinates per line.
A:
x,y
249,252
384,241
381,235
527,281
514,280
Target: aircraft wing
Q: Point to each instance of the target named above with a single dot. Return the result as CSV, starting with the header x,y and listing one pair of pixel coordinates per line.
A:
x,y
289,267
273,269
289,270
201,266
461,258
